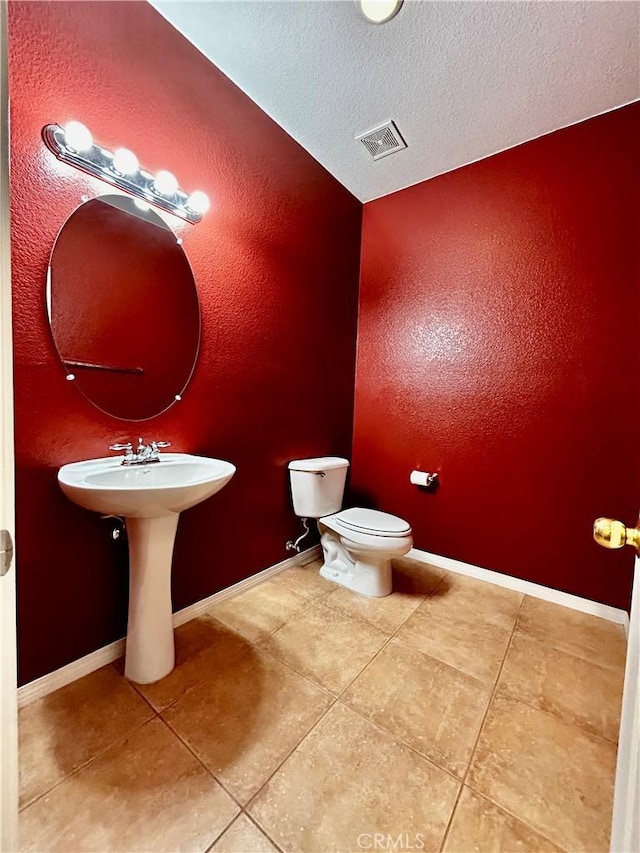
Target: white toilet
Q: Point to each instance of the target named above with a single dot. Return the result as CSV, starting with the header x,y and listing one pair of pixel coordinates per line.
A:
x,y
358,544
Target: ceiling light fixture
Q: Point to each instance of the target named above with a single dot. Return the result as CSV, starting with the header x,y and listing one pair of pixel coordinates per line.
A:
x,y
73,144
380,11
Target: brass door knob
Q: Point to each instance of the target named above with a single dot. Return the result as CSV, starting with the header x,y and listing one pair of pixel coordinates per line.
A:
x,y
614,534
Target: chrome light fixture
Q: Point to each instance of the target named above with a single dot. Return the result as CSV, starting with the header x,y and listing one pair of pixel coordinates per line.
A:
x,y
73,144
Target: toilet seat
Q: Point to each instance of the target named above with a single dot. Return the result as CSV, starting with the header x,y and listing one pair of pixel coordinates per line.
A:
x,y
370,522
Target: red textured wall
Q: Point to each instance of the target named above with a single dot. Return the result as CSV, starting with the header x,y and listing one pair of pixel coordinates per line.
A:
x,y
276,262
498,345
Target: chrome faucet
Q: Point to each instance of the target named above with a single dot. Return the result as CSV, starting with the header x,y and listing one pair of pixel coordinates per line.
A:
x,y
144,454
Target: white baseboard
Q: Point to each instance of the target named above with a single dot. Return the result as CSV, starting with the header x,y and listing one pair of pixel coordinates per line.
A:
x,y
107,654
89,663
547,593
197,609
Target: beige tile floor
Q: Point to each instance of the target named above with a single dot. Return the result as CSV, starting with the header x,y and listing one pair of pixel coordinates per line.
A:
x,y
453,715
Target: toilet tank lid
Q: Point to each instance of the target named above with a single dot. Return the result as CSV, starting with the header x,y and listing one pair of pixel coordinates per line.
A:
x,y
319,463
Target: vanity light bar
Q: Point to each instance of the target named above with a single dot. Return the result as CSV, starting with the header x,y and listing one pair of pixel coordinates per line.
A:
x,y
74,144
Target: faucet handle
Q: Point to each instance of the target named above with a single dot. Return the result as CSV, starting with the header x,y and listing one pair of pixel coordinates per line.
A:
x,y
119,446
161,444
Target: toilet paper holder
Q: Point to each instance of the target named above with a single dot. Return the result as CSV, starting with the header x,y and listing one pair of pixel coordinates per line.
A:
x,y
423,478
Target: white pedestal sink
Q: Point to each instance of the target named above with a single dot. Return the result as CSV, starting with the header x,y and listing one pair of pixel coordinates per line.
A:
x,y
151,498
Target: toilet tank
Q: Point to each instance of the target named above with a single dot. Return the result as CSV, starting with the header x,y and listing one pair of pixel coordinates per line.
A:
x,y
317,485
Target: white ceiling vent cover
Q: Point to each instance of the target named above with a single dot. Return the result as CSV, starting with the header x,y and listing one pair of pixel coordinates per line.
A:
x,y
382,141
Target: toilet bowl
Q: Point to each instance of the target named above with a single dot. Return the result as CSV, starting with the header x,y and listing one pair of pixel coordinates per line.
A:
x,y
358,544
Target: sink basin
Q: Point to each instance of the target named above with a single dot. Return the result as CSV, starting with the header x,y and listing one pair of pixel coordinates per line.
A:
x,y
151,498
176,483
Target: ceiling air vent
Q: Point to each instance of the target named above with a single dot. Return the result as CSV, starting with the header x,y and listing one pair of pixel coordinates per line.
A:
x,y
382,141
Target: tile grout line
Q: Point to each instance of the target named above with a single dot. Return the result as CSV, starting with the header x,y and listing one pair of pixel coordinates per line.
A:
x,y
518,819
136,687
391,637
388,640
297,672
336,699
400,740
89,761
264,636
396,737
250,644
208,770
421,596
533,639
480,729
364,668
242,807
307,678
242,812
464,780
260,829
337,696
217,838
551,645
514,698
255,644
317,683
248,648
157,714
340,698
288,755
311,603
386,643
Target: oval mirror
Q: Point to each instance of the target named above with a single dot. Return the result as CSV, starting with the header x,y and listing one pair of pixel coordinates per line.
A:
x,y
123,307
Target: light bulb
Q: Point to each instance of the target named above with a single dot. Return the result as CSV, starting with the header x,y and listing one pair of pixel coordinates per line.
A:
x,y
125,162
198,202
77,136
165,183
380,11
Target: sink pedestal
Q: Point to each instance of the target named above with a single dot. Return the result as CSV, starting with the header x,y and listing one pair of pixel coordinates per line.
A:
x,y
150,651
150,498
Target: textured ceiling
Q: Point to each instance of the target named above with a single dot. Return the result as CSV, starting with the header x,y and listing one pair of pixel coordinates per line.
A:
x,y
461,80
